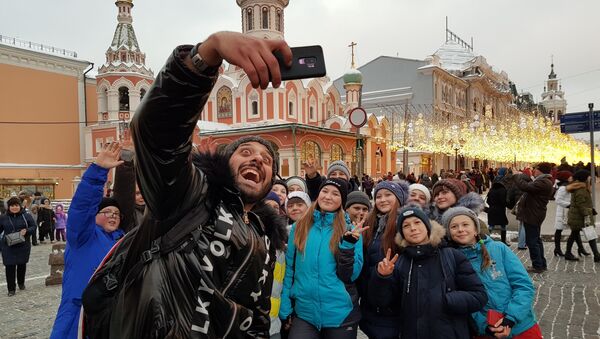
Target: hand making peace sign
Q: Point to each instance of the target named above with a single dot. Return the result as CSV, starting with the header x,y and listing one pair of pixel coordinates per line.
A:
x,y
386,266
358,228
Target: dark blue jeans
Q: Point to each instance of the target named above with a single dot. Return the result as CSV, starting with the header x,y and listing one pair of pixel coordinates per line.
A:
x,y
535,245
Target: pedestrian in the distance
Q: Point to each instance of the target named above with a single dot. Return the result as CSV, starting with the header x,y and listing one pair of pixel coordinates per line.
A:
x,y
15,256
61,223
563,201
496,212
46,219
531,210
325,304
434,286
509,289
581,214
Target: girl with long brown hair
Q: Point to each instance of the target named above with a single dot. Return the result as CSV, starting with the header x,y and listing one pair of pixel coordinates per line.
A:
x,y
380,323
323,259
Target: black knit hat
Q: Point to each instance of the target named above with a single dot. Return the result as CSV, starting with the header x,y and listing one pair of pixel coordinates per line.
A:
x,y
341,185
108,202
581,175
228,152
412,211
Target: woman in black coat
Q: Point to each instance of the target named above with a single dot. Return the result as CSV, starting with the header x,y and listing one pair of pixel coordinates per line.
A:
x,y
15,257
496,199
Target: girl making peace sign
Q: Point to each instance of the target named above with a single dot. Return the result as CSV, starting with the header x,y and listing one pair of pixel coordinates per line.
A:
x,y
323,259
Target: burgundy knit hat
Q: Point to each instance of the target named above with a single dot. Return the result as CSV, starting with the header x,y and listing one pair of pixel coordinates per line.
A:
x,y
453,185
563,175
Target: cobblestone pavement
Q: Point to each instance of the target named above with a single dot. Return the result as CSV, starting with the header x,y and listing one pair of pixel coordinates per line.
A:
x,y
567,301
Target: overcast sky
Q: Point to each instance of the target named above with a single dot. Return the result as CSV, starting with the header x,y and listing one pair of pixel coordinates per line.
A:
x,y
517,36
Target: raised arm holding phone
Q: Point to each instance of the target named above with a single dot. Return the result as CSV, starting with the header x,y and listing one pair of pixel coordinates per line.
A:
x,y
200,264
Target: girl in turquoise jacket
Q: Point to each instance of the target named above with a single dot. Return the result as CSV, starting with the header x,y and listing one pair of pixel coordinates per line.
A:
x,y
323,259
509,288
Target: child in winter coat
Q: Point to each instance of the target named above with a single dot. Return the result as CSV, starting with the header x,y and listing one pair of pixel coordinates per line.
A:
x,y
380,322
451,193
434,285
509,288
61,223
323,260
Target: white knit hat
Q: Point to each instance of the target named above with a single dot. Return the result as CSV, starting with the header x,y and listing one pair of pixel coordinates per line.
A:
x,y
421,188
298,194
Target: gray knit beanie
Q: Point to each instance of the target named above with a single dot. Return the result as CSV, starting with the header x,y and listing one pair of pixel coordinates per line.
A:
x,y
230,149
338,165
456,211
358,197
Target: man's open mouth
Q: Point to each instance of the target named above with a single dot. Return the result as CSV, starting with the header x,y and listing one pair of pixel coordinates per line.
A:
x,y
250,174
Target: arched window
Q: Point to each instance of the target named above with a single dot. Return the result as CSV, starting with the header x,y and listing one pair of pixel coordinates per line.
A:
x,y
278,21
311,113
336,152
123,99
311,151
254,103
291,101
265,18
330,109
249,19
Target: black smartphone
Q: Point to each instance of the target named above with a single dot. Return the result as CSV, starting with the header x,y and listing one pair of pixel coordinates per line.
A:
x,y
307,62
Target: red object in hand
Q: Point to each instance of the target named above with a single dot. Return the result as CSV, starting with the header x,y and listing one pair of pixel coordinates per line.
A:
x,y
493,317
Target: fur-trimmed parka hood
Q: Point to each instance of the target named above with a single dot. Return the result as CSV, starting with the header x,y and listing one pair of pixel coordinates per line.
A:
x,y
436,236
575,185
221,187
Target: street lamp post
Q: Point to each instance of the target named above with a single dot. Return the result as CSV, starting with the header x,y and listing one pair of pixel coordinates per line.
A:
x,y
456,158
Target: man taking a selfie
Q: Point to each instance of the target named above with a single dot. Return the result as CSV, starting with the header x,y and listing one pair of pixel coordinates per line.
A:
x,y
200,265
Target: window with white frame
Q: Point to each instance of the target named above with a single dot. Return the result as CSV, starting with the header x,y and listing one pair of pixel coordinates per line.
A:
x,y
291,104
254,111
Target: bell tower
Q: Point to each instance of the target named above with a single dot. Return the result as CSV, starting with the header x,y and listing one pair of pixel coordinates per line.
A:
x,y
263,18
553,98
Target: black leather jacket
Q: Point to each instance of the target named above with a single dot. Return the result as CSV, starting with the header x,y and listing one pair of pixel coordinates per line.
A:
x,y
207,270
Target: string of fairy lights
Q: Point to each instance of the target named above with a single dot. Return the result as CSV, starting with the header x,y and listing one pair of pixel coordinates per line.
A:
x,y
524,138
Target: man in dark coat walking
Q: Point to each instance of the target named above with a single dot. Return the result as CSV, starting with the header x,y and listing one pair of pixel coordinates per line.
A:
x,y
531,210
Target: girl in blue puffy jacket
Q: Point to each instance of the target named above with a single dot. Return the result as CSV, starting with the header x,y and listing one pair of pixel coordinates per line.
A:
x,y
323,259
509,288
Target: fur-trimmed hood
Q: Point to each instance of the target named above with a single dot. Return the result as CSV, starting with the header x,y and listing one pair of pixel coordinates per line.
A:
x,y
471,200
221,186
575,185
436,236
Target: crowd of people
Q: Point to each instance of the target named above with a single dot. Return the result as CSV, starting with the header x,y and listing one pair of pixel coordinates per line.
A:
x,y
196,242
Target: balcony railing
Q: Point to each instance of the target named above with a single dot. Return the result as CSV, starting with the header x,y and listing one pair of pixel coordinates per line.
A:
x,y
36,47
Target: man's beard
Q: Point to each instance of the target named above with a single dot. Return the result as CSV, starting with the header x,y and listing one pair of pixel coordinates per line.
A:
x,y
253,196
